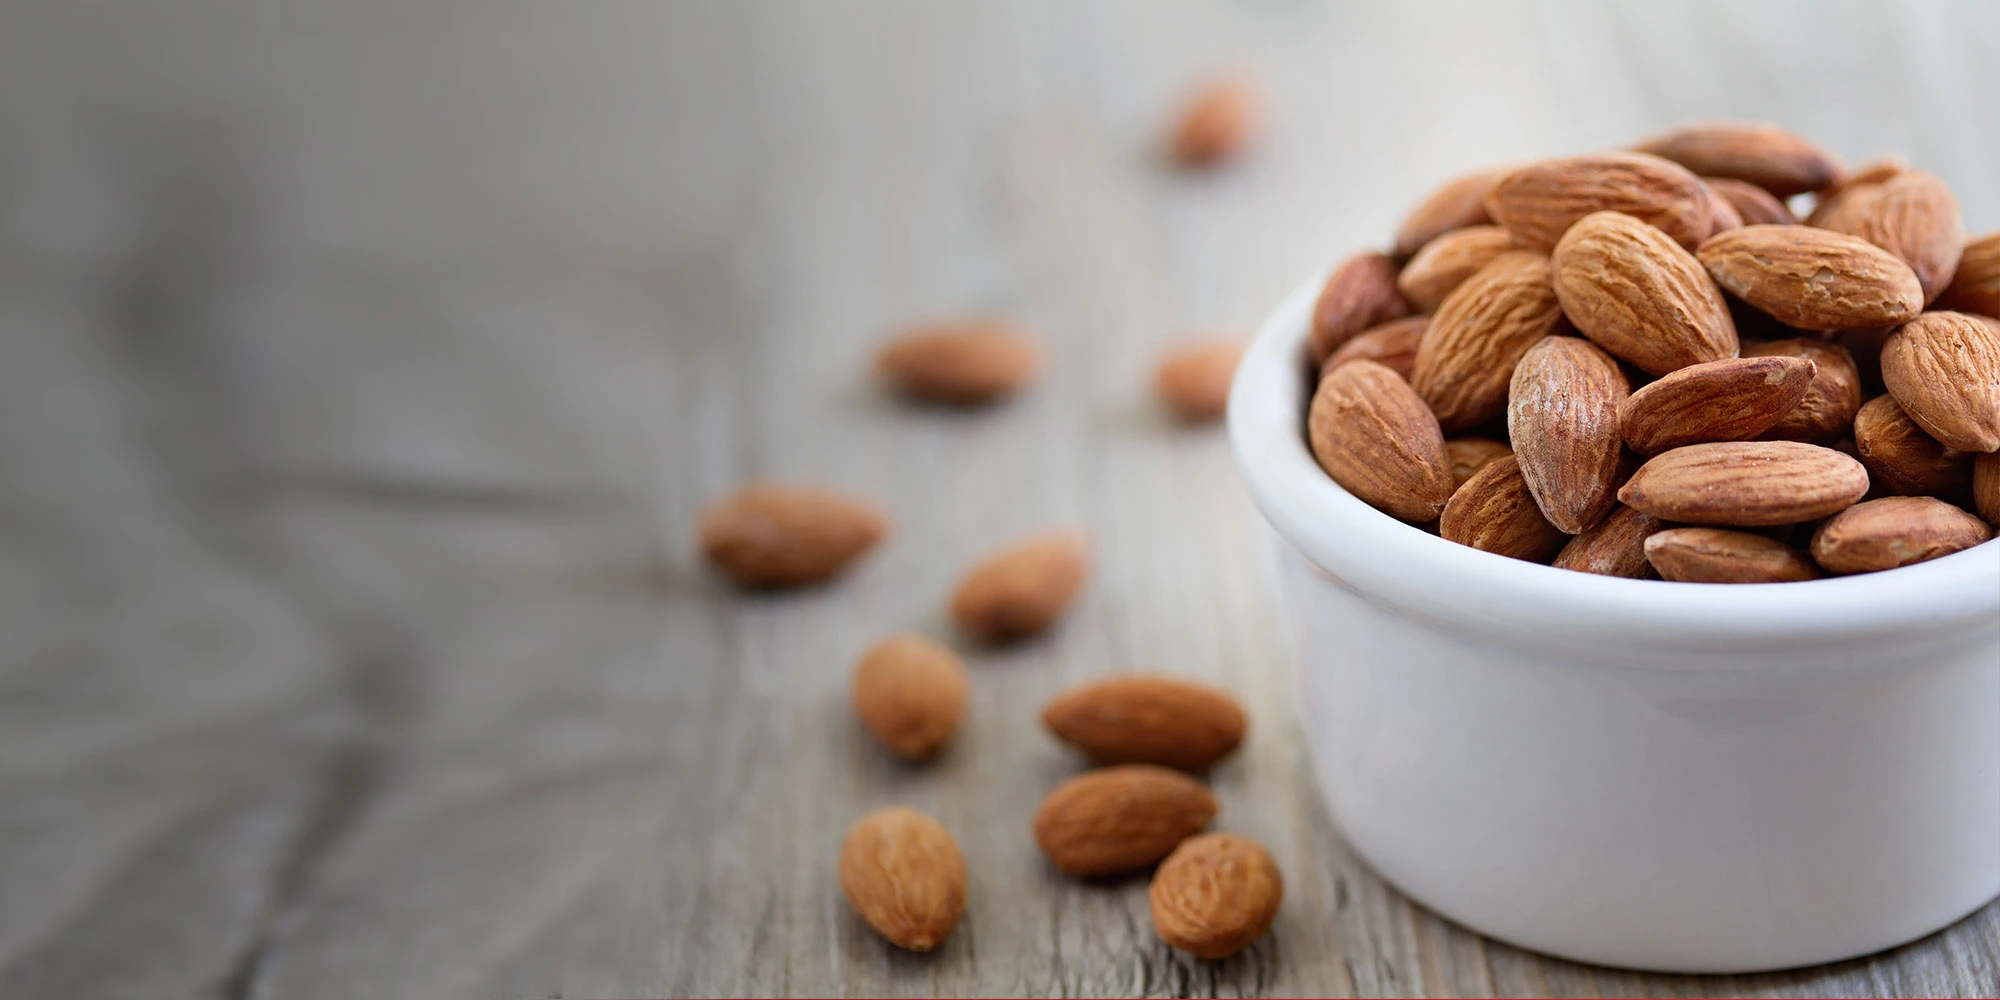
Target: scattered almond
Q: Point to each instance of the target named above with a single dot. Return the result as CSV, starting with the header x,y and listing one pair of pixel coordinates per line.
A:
x,y
1458,204
1766,156
1359,294
1826,411
1975,286
903,873
1373,435
1194,381
1539,202
1813,279
1894,531
1467,357
775,535
1393,344
1639,295
1148,719
1215,895
962,364
1901,459
1986,487
1495,512
1734,399
1121,818
1746,484
1562,414
1754,205
1944,370
1714,555
1471,454
910,692
1022,589
1445,262
1615,547
1217,123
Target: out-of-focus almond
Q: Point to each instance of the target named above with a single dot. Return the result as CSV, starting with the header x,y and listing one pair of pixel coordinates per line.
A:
x,y
1975,287
962,364
1915,216
1714,555
777,535
910,692
1194,380
1754,205
1813,279
1539,202
1746,484
1875,171
1769,157
1616,547
1218,121
1021,589
1944,370
1457,204
1393,344
1359,294
1494,512
1842,212
1734,399
1986,487
1373,435
1562,415
903,873
1471,454
1148,719
1901,458
1215,894
1445,262
1121,818
1467,356
1722,213
1826,411
1640,296
1894,531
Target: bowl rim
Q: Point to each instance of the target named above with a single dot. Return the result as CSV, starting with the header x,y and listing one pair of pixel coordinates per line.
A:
x,y
1419,574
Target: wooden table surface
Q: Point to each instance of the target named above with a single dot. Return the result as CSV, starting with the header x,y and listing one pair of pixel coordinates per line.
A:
x,y
366,365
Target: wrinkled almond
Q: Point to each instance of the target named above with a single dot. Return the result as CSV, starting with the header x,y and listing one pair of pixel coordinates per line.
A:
x,y
1746,484
961,364
776,535
1562,415
903,873
1359,294
1769,157
1539,202
1914,216
1826,411
1218,121
1975,286
1494,512
1639,295
1813,279
1944,370
1616,547
1901,458
1445,262
1393,344
1754,205
1986,487
1471,454
1894,531
1734,399
910,692
1373,435
1714,555
1457,204
1121,818
1467,356
1194,380
1148,719
1215,895
1021,589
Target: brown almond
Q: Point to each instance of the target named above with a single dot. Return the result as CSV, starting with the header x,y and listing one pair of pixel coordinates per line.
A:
x,y
1379,441
1875,171
1218,121
1975,286
1640,296
910,692
1467,356
1826,411
1746,484
1193,381
776,535
962,364
1121,818
1842,212
1471,454
1215,895
1457,204
1359,294
1986,487
1944,370
1722,213
1914,216
1445,262
1813,279
1495,512
1562,415
1894,531
1754,205
903,873
1734,399
1769,157
1539,202
1148,719
1393,344
1903,460
1021,589
1713,555
1615,547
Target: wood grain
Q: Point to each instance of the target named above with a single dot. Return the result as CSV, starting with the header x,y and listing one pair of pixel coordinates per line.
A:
x,y
365,365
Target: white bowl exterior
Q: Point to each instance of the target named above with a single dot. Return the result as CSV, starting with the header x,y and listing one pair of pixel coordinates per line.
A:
x,y
1680,777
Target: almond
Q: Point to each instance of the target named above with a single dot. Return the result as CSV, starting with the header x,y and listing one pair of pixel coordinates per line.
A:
x,y
1022,589
1495,512
1218,121
1483,327
1754,205
1359,294
910,692
1875,171
1640,296
1616,547
1373,435
1813,279
1894,531
1722,213
1471,454
1122,818
1826,411
1944,370
1393,344
776,535
1746,483
1445,262
1193,381
1975,287
1148,719
1901,458
1842,212
1734,399
1539,202
962,364
1215,894
1713,555
1769,157
903,873
1562,414
1986,487
1459,203
1915,216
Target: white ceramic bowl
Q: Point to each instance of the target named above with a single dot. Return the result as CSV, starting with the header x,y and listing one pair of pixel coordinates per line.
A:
x,y
1666,776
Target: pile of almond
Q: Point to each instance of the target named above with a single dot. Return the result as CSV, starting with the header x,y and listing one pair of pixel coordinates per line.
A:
x,y
1643,364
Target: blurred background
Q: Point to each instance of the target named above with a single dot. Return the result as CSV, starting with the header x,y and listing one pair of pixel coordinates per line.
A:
x,y
364,365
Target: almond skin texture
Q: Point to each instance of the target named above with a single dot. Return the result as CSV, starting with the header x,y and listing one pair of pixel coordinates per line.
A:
x,y
1539,202
1986,487
1754,205
1215,895
1768,157
1713,555
1944,370
1562,415
1746,484
1467,356
774,535
1813,279
1361,293
910,692
1826,411
963,364
1494,512
1459,203
1471,454
1975,286
1903,460
903,873
1373,435
1148,719
1022,589
1193,381
1616,547
1842,212
1640,296
1444,264
1894,531
1120,819
1393,344
1734,399
1915,217
1216,125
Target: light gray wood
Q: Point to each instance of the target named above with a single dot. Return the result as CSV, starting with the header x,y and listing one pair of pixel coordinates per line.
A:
x,y
366,365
